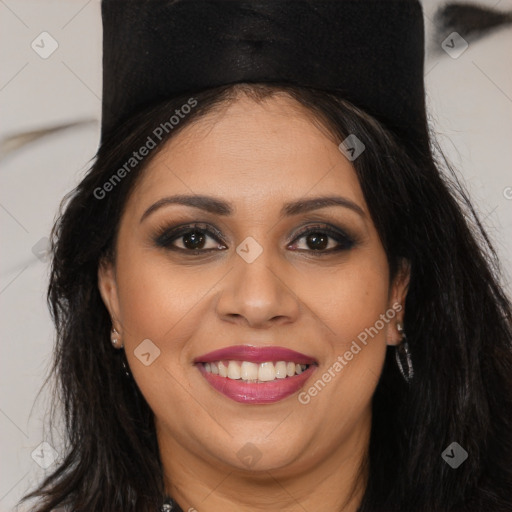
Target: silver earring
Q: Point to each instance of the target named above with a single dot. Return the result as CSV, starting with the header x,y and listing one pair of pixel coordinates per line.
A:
x,y
114,338
126,370
402,353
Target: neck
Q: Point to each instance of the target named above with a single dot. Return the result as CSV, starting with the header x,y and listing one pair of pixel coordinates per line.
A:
x,y
336,482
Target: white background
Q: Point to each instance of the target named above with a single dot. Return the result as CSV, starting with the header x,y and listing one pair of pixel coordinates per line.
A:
x,y
470,107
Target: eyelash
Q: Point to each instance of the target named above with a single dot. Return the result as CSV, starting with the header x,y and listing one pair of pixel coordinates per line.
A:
x,y
165,236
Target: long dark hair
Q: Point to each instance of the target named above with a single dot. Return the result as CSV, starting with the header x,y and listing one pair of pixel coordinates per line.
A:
x,y
457,319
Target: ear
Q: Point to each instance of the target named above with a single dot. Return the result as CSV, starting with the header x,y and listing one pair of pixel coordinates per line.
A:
x,y
108,289
398,293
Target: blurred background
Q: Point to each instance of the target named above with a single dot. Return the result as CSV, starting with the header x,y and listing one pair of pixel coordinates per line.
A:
x,y
50,101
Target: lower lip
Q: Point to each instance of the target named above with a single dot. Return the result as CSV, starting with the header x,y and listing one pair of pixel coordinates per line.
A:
x,y
257,393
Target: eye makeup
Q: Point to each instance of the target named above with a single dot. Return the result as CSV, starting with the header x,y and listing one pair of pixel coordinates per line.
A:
x,y
196,234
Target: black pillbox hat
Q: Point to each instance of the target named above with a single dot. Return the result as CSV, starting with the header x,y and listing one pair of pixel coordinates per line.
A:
x,y
370,52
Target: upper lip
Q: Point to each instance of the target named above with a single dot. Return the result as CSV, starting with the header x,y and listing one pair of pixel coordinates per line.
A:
x,y
255,355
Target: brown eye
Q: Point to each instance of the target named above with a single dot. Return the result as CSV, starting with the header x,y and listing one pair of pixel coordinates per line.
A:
x,y
317,240
192,239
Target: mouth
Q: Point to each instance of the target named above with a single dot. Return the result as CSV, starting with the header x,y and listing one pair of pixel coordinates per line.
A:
x,y
256,375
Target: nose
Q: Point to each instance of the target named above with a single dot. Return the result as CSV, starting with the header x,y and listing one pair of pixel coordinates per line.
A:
x,y
258,294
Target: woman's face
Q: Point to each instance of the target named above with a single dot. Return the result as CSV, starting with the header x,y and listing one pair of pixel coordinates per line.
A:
x,y
271,278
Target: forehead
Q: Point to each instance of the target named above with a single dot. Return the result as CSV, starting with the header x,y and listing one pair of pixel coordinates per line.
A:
x,y
252,153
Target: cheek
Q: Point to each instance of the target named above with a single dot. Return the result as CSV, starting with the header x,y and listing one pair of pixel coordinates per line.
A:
x,y
156,303
154,296
366,294
353,298
358,314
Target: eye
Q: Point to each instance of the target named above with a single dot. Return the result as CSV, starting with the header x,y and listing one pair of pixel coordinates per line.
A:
x,y
192,239
317,239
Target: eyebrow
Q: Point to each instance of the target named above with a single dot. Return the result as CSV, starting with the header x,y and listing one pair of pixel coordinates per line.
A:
x,y
219,207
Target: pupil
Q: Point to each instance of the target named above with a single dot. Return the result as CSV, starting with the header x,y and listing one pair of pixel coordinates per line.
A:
x,y
196,240
317,241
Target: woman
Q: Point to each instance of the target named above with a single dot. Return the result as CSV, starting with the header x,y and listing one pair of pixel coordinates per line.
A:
x,y
266,296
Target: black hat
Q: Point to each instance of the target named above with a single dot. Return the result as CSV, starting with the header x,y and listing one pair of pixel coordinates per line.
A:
x,y
370,52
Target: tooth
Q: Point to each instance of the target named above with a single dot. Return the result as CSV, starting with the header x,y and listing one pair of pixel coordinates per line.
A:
x,y
280,367
223,371
249,371
266,372
233,370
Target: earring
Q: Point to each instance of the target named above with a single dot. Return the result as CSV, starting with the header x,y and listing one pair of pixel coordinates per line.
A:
x,y
402,353
115,338
126,370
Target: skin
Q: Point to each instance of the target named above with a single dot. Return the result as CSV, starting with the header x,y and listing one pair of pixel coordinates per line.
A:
x,y
256,155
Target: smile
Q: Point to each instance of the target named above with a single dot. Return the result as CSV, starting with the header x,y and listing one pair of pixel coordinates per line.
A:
x,y
256,375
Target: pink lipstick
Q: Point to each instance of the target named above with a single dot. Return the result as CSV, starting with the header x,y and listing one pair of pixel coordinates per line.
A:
x,y
256,375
